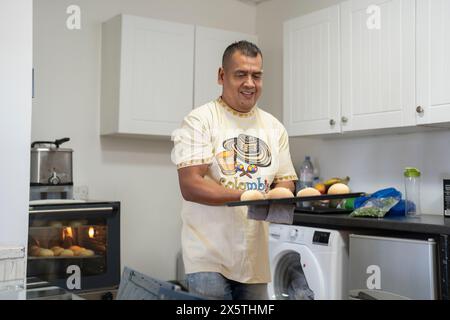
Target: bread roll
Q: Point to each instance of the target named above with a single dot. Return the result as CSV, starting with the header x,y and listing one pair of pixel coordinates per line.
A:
x,y
280,193
66,253
57,250
252,195
78,252
86,253
339,188
34,251
75,248
46,253
308,192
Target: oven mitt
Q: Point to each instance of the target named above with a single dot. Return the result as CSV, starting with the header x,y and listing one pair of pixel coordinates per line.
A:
x,y
281,213
258,212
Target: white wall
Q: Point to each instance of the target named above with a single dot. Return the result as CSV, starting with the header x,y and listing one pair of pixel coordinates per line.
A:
x,y
138,173
15,119
372,162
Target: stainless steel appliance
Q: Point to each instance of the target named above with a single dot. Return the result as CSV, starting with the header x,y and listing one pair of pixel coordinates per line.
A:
x,y
51,174
446,198
74,245
392,268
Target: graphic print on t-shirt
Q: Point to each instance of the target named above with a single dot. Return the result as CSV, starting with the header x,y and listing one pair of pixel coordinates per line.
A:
x,y
244,155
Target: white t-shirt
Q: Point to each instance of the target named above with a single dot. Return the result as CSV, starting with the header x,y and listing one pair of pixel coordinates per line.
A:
x,y
246,151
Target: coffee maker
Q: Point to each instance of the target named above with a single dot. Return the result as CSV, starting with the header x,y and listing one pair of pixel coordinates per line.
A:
x,y
51,170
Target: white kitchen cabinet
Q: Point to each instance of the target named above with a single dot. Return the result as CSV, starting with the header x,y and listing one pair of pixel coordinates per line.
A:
x,y
311,73
147,75
209,47
433,61
378,64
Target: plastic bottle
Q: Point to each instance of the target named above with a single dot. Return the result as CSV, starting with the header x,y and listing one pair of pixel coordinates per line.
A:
x,y
316,176
306,174
412,192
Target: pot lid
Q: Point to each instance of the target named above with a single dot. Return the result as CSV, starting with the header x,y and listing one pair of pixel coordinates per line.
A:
x,y
50,145
50,149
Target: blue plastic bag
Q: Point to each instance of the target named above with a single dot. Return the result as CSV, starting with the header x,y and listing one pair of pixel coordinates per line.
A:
x,y
399,209
381,203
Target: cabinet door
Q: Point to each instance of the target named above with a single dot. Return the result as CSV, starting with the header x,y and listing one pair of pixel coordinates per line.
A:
x,y
311,73
433,61
209,47
157,75
378,64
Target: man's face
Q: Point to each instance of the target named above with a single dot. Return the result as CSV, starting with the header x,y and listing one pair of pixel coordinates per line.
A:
x,y
241,79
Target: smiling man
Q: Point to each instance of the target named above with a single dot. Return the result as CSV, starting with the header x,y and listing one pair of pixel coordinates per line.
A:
x,y
241,75
224,148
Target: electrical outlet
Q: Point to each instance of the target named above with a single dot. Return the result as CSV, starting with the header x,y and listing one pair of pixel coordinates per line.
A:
x,y
81,193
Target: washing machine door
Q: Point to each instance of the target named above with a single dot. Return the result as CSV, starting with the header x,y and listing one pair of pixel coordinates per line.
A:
x,y
296,274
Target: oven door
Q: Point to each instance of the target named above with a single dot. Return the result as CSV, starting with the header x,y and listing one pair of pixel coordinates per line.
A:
x,y
74,246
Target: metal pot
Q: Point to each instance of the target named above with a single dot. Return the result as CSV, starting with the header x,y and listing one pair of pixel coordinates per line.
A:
x,y
50,164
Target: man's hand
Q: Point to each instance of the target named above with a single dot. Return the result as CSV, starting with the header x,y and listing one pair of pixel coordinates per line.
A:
x,y
286,184
195,188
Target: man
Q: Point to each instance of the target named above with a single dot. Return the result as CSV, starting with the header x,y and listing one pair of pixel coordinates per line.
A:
x,y
224,148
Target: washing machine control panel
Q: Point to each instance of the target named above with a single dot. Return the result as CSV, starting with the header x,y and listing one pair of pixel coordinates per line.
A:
x,y
296,235
320,237
293,234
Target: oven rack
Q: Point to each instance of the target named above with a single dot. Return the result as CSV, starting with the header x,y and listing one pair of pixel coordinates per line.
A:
x,y
65,257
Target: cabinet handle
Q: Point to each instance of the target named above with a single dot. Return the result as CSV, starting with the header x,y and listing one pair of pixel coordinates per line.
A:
x,y
332,122
344,119
419,109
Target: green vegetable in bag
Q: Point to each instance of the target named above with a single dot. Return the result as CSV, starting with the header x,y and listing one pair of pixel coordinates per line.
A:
x,y
376,207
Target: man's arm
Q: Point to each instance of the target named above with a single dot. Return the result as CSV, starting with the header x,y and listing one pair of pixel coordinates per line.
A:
x,y
195,188
286,184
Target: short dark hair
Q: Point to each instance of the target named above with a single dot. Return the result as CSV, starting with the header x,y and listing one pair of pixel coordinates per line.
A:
x,y
245,47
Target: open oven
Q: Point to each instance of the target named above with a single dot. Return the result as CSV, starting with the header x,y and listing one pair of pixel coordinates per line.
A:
x,y
74,245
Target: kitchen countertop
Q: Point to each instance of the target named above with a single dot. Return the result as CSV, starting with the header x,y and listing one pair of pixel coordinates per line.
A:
x,y
424,224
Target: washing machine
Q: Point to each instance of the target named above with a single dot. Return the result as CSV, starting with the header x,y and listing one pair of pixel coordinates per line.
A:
x,y
308,263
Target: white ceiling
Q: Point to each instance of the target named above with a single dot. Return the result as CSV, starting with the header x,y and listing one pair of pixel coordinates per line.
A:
x,y
254,2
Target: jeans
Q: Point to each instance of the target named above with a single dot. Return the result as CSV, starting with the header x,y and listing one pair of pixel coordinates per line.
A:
x,y
213,285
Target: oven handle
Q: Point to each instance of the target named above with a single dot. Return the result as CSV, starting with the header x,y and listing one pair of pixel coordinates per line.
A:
x,y
72,210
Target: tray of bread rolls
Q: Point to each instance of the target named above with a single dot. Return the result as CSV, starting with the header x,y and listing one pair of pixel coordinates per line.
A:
x,y
285,196
65,257
73,252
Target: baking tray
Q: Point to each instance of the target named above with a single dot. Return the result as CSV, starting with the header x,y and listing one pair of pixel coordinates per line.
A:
x,y
320,210
295,200
65,257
